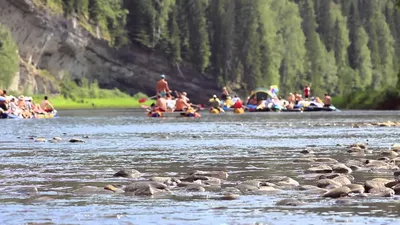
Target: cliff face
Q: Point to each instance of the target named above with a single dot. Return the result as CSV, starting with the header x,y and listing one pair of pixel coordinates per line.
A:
x,y
51,42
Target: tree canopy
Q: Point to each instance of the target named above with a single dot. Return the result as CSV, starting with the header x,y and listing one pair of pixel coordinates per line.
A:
x,y
336,46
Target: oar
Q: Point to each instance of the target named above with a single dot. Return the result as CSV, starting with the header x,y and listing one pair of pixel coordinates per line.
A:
x,y
142,100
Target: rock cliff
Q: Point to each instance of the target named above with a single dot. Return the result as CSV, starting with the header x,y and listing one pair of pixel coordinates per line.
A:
x,y
58,45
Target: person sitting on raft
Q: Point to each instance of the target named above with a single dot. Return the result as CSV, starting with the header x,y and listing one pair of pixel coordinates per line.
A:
x,y
181,104
224,94
161,103
3,107
238,103
46,105
215,103
170,102
327,101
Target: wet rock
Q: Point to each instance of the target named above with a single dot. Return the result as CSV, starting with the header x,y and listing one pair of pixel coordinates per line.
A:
x,y
85,136
268,189
203,179
197,137
255,183
343,201
31,190
146,188
307,151
90,190
383,159
76,140
128,174
396,189
358,145
355,150
390,154
320,169
337,192
370,184
42,199
341,168
311,189
379,165
217,174
353,162
382,180
212,188
195,188
355,126
303,160
166,180
231,190
282,181
245,188
323,183
396,175
229,196
114,189
325,160
383,124
391,184
381,192
185,184
356,188
40,140
342,180
395,161
395,147
289,202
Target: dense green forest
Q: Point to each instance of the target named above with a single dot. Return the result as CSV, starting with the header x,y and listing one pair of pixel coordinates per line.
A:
x,y
337,46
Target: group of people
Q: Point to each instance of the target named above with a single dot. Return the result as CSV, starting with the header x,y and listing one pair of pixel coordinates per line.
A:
x,y
226,101
169,101
22,106
293,101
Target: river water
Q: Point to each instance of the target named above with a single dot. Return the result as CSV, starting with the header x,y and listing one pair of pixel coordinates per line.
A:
x,y
248,146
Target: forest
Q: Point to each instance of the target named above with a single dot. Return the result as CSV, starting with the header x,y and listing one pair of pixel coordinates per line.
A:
x,y
337,46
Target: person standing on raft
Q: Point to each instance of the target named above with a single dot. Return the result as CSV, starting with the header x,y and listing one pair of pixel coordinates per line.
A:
x,y
162,87
307,92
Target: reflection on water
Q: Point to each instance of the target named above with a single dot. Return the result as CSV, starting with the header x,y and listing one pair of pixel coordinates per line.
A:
x,y
248,146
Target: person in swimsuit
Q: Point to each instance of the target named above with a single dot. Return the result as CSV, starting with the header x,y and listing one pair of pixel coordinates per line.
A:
x,y
327,101
224,94
161,103
46,105
162,87
181,104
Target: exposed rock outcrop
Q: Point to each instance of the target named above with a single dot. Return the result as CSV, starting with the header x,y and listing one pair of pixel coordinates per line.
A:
x,y
58,45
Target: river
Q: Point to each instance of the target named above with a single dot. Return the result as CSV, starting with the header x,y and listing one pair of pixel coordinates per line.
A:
x,y
248,146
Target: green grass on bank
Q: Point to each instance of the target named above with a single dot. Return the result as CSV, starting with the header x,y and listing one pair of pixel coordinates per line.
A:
x,y
89,96
60,102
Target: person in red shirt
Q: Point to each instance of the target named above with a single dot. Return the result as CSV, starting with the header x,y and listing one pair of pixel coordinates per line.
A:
x,y
238,104
307,92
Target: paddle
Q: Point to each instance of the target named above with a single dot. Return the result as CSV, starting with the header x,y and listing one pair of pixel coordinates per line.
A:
x,y
142,100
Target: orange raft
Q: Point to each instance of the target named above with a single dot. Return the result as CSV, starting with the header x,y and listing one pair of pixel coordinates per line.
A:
x,y
188,113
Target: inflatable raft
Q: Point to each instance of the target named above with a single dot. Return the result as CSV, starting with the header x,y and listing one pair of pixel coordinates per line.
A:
x,y
37,116
159,114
